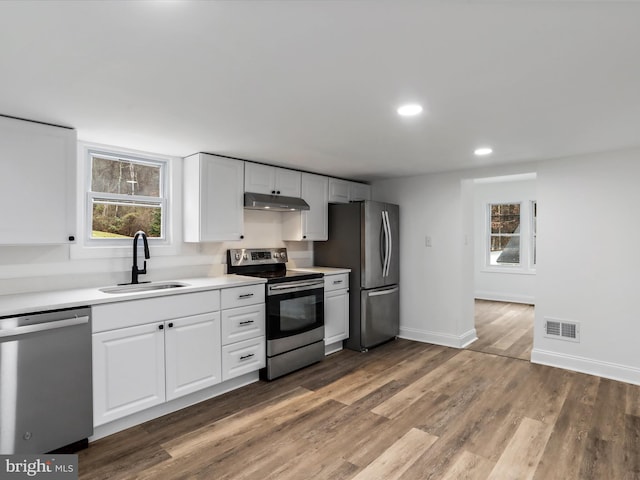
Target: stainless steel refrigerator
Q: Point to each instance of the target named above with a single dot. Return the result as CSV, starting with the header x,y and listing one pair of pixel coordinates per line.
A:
x,y
363,236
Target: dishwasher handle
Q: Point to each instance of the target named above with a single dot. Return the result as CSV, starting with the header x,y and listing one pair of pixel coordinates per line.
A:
x,y
42,327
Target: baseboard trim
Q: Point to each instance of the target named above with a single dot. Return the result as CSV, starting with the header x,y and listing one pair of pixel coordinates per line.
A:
x,y
613,371
171,406
505,297
439,338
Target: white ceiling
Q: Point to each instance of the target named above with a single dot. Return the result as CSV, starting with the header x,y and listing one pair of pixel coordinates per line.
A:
x,y
315,84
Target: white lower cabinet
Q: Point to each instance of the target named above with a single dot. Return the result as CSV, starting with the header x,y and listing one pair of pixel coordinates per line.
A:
x,y
192,354
138,367
243,332
139,363
336,310
128,371
243,357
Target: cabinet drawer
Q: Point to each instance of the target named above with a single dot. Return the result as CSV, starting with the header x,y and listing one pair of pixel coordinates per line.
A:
x,y
336,282
241,296
110,316
242,323
243,357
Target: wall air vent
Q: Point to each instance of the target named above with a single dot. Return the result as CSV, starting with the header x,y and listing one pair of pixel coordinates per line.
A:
x,y
562,330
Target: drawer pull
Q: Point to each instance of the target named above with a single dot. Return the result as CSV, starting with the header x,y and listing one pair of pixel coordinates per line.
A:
x,y
336,282
244,357
246,322
246,295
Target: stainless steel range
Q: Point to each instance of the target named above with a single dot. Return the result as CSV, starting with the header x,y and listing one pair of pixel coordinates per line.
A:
x,y
294,305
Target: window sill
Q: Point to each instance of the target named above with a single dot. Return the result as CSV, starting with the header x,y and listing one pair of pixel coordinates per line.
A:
x,y
509,270
78,251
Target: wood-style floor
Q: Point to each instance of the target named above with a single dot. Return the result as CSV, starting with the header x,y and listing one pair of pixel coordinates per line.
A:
x,y
504,329
405,410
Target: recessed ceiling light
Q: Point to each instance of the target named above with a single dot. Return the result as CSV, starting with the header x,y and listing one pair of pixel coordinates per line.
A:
x,y
482,151
409,110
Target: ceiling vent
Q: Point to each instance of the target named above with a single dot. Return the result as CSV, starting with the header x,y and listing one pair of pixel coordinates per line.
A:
x,y
562,330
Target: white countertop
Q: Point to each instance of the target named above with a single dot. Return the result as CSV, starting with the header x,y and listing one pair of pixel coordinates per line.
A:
x,y
324,270
22,303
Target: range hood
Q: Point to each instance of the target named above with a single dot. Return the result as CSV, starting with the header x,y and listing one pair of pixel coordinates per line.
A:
x,y
275,203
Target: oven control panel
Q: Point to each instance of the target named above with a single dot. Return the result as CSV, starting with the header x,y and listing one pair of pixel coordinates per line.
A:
x,y
257,256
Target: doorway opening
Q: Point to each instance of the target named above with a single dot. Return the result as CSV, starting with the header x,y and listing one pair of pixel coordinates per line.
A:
x,y
504,329
504,213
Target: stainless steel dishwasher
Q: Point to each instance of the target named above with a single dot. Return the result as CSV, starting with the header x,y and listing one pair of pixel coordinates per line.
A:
x,y
45,381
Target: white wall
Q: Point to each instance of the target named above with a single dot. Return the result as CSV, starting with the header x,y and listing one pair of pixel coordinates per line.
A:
x,y
507,284
589,262
436,283
587,268
39,268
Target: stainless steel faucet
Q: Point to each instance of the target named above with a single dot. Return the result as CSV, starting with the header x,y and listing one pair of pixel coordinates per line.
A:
x,y
135,271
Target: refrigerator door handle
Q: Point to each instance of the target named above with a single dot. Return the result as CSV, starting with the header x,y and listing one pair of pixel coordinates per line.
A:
x,y
383,243
390,243
385,232
383,292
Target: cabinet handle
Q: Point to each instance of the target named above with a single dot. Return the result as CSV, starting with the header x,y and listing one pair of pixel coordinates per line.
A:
x,y
241,237
246,322
244,357
304,236
246,295
273,192
160,327
278,192
170,324
336,282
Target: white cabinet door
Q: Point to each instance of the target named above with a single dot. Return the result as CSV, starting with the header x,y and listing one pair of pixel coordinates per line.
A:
x,y
243,323
243,357
193,352
336,316
338,191
128,371
288,182
359,191
213,198
242,296
270,180
343,191
259,178
311,224
315,221
38,164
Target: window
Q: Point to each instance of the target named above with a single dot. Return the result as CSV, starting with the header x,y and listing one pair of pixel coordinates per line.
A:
x,y
126,194
504,234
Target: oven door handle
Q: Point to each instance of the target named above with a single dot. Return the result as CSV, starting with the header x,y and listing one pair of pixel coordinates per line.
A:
x,y
290,286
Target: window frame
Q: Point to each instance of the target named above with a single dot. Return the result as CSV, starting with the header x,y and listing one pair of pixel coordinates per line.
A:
x,y
162,200
526,265
82,248
489,234
533,229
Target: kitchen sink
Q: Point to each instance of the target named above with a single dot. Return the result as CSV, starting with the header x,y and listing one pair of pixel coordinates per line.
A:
x,y
143,287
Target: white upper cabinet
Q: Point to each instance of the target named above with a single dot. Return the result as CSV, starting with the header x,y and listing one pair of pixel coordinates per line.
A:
x,y
213,198
270,180
38,183
359,191
338,191
343,191
311,224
